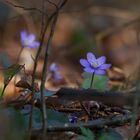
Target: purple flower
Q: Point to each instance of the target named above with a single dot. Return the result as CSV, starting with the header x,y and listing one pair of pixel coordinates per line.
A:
x,y
54,68
73,119
93,65
26,109
28,40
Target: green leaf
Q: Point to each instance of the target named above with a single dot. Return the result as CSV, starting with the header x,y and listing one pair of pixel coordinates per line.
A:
x,y
79,37
9,73
13,124
47,93
99,81
36,119
83,130
110,134
87,80
106,137
90,134
87,133
1,89
55,117
83,138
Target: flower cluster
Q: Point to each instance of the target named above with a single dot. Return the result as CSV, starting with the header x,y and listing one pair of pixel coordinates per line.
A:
x,y
93,65
28,40
55,70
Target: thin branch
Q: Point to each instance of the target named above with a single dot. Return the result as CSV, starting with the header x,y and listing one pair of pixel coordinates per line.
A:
x,y
135,107
25,8
43,18
43,77
52,4
112,30
34,71
41,40
107,97
36,62
94,124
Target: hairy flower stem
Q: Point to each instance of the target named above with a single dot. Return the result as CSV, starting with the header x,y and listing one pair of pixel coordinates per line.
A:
x,y
91,82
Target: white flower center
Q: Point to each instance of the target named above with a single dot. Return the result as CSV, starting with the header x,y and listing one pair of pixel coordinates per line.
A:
x,y
27,42
95,64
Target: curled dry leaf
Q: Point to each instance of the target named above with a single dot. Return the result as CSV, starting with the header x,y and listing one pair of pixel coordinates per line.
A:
x,y
24,84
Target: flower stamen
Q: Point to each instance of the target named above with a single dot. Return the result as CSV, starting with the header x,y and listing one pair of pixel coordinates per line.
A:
x,y
95,65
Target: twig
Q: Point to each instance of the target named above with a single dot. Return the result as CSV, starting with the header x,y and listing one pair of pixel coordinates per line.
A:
x,y
26,8
52,4
108,97
135,106
94,124
43,77
41,40
86,110
134,117
69,110
112,30
43,18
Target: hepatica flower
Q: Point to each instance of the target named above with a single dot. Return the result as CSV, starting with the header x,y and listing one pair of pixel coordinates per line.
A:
x,y
54,68
28,40
26,109
73,119
93,65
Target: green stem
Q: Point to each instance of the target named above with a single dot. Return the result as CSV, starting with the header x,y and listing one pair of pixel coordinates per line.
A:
x,y
91,82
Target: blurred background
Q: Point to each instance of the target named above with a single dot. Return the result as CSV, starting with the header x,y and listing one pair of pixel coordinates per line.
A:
x,y
109,28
